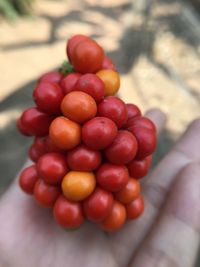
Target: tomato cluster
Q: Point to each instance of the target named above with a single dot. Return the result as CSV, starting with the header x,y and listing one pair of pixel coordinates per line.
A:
x,y
90,148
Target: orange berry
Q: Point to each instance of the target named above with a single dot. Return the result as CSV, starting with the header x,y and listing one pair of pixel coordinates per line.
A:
x,y
111,80
65,133
77,186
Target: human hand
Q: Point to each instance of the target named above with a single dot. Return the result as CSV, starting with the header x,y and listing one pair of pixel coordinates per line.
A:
x,y
167,234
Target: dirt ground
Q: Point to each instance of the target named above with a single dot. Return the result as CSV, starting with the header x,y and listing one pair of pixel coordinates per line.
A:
x,y
156,47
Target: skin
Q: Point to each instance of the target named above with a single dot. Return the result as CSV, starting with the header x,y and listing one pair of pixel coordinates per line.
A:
x,y
166,235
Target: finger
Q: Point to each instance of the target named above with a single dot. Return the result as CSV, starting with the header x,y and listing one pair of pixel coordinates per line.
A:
x,y
155,191
158,117
175,238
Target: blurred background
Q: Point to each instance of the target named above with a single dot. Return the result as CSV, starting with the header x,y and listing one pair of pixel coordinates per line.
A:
x,y
155,45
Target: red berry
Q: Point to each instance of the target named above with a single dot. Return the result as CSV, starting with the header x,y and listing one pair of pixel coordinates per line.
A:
x,y
107,64
50,146
72,43
112,177
133,111
98,206
87,57
52,76
52,167
123,149
99,132
28,178
141,122
92,85
45,194
139,168
48,97
83,158
69,81
37,149
113,108
36,122
146,139
22,128
68,214
135,208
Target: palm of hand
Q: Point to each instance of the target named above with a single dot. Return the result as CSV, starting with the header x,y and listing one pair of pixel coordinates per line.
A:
x,y
30,237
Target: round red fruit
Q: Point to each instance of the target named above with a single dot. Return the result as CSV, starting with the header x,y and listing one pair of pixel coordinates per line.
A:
x,y
115,219
135,208
141,122
28,179
139,168
48,97
92,85
107,64
133,111
112,177
68,214
52,76
22,129
72,43
37,149
130,192
45,194
98,206
82,158
87,57
50,146
52,167
99,132
113,108
123,149
146,139
36,122
69,81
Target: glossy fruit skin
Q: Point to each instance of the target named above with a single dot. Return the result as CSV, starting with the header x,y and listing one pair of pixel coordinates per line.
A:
x,y
77,186
133,111
28,178
115,219
45,194
68,82
146,139
72,43
87,57
92,85
36,122
21,128
68,214
139,168
52,76
65,133
78,106
114,108
52,167
48,97
50,146
108,64
111,81
98,205
112,177
82,158
135,208
141,122
130,192
123,149
37,149
99,132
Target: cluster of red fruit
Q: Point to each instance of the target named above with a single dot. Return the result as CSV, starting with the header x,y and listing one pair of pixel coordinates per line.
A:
x,y
90,148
